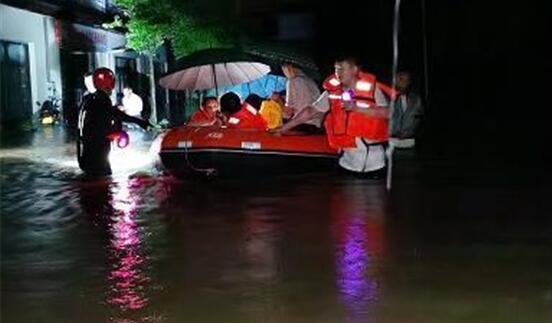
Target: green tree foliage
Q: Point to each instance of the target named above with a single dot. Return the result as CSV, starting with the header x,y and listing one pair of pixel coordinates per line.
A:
x,y
189,25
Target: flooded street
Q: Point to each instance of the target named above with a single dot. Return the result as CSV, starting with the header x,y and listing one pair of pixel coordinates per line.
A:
x,y
140,246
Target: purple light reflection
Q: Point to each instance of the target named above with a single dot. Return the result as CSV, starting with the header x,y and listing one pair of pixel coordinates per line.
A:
x,y
359,247
353,265
127,277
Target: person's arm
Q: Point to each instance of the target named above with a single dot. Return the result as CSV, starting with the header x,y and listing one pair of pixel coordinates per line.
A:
x,y
303,116
120,115
289,92
222,119
388,90
376,112
203,123
416,117
315,110
301,94
290,99
419,106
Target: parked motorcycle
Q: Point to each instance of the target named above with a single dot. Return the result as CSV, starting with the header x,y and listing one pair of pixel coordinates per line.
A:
x,y
49,111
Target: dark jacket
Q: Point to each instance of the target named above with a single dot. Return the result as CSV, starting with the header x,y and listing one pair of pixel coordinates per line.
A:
x,y
405,121
97,119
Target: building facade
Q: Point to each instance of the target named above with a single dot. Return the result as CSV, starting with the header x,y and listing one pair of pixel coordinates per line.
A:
x,y
46,49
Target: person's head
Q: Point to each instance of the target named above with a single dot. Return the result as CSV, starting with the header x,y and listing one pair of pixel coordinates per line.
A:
x,y
210,103
230,103
404,81
290,70
278,97
127,90
104,79
254,101
346,70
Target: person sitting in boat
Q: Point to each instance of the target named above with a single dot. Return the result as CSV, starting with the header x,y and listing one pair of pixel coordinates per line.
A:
x,y
230,103
279,97
272,110
208,114
357,117
249,117
301,91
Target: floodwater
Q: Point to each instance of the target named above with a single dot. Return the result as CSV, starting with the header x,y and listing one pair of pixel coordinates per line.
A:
x,y
443,246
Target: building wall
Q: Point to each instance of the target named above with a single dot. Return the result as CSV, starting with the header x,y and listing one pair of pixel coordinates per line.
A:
x,y
51,42
38,32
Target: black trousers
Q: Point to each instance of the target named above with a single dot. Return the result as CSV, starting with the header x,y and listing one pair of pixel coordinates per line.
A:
x,y
93,156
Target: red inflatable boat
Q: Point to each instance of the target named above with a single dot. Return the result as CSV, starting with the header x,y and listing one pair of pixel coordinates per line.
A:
x,y
209,151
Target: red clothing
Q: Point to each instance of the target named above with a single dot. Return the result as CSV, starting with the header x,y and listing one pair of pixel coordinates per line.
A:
x,y
247,118
202,118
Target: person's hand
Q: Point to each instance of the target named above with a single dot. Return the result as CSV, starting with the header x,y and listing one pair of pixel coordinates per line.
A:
x,y
275,131
349,105
218,122
287,112
145,124
222,118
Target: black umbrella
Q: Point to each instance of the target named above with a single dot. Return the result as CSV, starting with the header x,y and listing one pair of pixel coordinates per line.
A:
x,y
276,54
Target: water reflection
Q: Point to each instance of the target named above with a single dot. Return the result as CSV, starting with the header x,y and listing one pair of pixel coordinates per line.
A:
x,y
357,225
301,249
262,235
262,264
114,205
127,276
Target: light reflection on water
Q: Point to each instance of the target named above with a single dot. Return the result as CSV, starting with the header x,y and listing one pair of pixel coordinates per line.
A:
x,y
140,247
127,277
358,233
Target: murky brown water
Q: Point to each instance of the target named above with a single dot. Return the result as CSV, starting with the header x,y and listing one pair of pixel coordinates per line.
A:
x,y
143,247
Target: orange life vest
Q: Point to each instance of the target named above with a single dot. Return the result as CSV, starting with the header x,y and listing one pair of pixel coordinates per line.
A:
x,y
247,118
202,117
343,126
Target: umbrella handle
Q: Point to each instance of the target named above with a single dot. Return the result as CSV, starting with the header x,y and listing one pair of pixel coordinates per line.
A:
x,y
215,78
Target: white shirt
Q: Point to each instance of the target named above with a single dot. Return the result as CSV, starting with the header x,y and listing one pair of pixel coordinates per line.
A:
x,y
301,92
133,105
362,158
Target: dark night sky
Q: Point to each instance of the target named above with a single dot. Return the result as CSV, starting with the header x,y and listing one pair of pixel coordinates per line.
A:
x,y
487,68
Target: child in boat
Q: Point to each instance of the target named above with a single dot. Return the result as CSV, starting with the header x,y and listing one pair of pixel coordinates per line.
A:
x,y
272,110
208,114
249,117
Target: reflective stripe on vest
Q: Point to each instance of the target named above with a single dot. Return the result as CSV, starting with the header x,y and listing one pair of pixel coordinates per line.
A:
x,y
364,86
343,126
